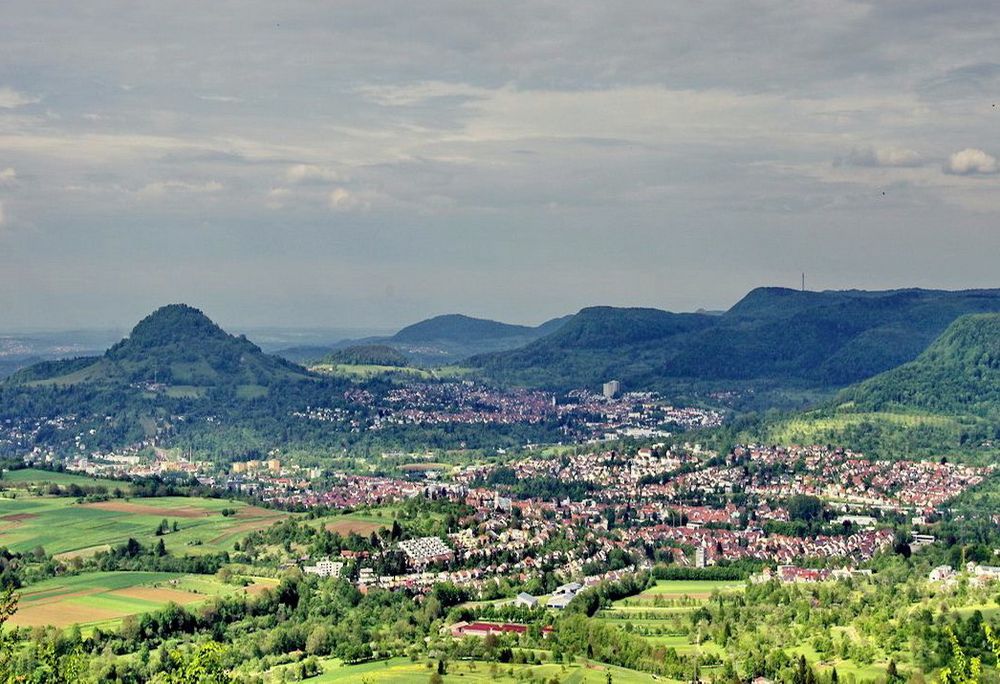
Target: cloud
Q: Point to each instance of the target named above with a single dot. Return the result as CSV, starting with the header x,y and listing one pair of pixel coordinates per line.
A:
x,y
417,93
468,140
220,98
160,188
971,162
10,99
967,81
305,174
8,176
886,157
342,199
276,198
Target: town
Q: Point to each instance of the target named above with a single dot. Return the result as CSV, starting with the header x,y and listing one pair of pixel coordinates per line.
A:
x,y
586,512
578,416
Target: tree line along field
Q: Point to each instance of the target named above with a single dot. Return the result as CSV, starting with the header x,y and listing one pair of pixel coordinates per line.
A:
x,y
62,526
105,598
406,671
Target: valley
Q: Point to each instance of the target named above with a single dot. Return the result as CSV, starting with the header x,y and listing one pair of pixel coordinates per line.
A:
x,y
374,517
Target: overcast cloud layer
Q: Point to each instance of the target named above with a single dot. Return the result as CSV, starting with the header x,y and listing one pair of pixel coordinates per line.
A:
x,y
358,164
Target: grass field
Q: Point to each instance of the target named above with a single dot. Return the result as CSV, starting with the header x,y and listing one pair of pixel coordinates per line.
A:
x,y
104,598
366,372
989,611
185,392
363,523
403,671
30,477
845,668
676,591
62,526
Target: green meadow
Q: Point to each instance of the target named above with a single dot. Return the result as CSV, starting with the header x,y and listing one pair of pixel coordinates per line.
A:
x,y
27,478
678,592
367,371
60,525
361,522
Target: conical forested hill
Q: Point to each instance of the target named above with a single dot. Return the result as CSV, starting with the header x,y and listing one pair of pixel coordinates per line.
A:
x,y
175,345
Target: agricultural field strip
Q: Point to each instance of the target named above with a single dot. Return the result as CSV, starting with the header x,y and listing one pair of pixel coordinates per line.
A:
x,y
99,597
61,525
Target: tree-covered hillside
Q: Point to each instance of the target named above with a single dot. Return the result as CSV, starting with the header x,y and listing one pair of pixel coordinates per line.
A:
x,y
368,355
773,336
175,345
177,378
958,374
597,344
437,341
945,401
180,380
458,328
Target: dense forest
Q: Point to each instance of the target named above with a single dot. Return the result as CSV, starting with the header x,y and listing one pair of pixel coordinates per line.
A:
x,y
773,337
958,374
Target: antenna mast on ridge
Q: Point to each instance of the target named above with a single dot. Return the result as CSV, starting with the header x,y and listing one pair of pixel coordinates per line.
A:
x,y
803,281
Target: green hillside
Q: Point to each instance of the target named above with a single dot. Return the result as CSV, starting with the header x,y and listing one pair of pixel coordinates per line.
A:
x,y
773,337
177,376
450,338
458,328
175,345
958,374
437,341
596,344
946,400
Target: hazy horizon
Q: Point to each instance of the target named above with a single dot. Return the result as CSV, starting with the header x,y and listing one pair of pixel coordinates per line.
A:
x,y
332,332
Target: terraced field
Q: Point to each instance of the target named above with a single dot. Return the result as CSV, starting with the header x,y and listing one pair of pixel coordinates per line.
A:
x,y
64,527
660,614
104,598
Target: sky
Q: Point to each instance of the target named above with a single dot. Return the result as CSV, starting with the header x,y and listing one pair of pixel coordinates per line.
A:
x,y
368,164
